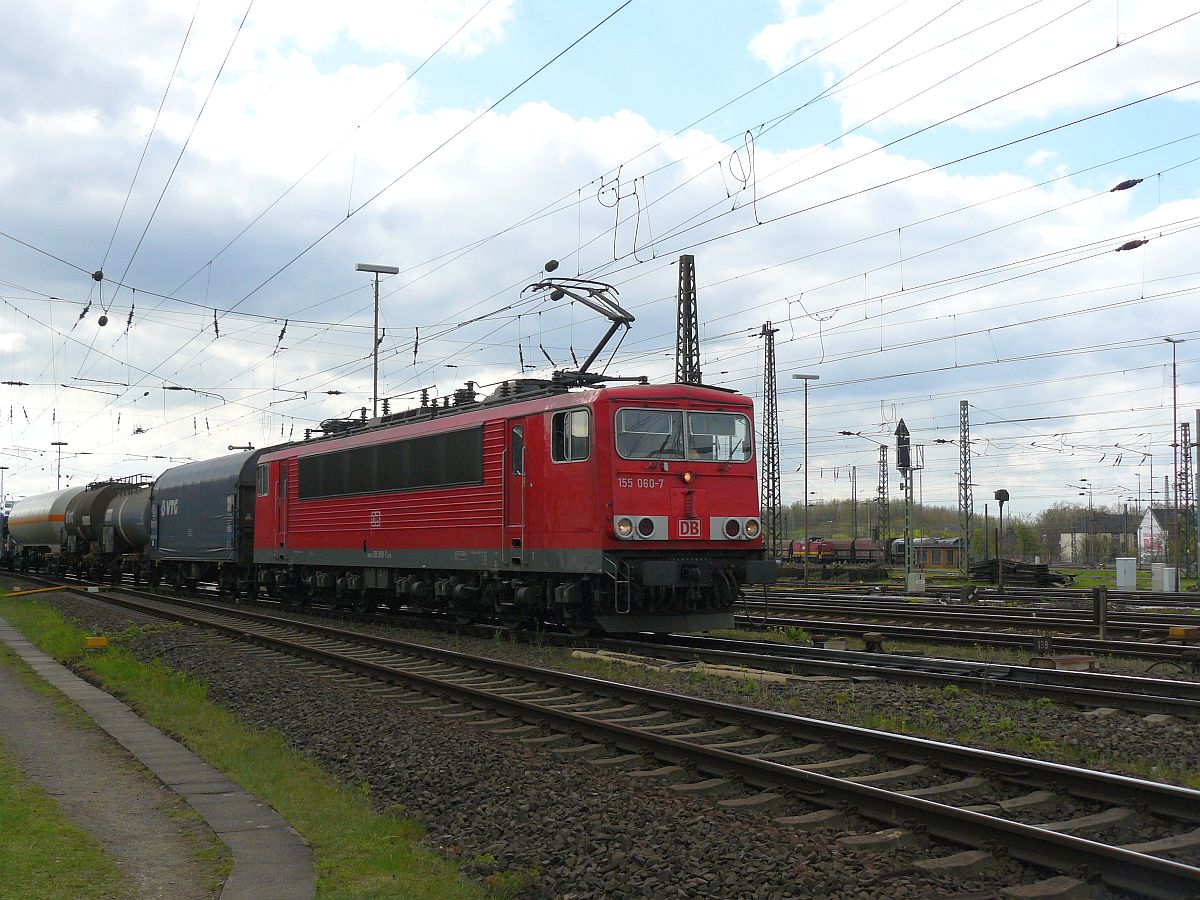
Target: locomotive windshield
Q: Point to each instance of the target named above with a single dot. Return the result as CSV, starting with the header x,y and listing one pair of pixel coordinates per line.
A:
x,y
674,434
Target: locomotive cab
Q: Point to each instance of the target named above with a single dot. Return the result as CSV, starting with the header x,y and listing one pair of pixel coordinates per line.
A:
x,y
684,534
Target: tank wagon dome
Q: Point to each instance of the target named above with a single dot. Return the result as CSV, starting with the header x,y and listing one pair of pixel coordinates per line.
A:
x,y
38,521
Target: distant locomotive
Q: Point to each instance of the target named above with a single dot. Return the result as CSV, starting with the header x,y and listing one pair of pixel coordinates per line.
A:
x,y
850,551
625,508
928,552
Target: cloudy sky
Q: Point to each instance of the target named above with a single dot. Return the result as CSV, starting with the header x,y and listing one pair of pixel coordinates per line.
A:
x,y
915,193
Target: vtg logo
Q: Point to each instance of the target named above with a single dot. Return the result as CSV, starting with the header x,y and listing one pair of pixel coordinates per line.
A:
x,y
689,528
169,507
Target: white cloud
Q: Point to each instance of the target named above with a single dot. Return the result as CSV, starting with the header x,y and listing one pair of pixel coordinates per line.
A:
x,y
951,64
780,229
1039,158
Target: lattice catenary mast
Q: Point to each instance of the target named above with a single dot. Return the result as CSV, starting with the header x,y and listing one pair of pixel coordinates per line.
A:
x,y
1184,480
687,328
770,503
966,503
884,517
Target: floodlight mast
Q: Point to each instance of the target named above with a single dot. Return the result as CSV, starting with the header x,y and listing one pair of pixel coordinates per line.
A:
x,y
596,296
377,270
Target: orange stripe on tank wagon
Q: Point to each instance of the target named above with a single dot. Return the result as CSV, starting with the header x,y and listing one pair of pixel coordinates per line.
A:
x,y
33,521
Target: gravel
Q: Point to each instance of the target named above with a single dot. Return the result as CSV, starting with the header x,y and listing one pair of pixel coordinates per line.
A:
x,y
1124,743
520,816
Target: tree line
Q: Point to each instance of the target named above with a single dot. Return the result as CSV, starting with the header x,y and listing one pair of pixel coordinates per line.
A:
x,y
1025,536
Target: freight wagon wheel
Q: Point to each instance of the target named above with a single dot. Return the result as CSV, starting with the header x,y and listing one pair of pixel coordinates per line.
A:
x,y
579,631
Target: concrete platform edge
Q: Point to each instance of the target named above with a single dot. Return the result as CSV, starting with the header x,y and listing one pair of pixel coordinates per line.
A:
x,y
270,860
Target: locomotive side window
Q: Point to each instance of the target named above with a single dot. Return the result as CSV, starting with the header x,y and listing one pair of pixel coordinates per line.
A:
x,y
518,450
262,480
650,434
719,437
571,436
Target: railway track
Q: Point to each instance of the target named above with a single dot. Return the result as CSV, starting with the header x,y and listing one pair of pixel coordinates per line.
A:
x,y
1184,656
1164,599
1143,696
1134,836
1048,618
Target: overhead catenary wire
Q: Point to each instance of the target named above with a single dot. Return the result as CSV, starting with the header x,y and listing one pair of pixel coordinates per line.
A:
x,y
624,349
149,137
413,167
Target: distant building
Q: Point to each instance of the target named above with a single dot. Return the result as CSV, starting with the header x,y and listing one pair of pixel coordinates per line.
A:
x,y
1099,537
1157,530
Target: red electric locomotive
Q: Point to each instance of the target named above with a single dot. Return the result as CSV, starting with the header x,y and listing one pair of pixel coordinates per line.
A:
x,y
624,508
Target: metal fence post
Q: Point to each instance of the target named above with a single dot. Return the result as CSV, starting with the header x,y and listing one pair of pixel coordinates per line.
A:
x,y
1100,610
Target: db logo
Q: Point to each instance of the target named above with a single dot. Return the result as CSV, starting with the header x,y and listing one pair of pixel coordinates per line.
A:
x,y
689,528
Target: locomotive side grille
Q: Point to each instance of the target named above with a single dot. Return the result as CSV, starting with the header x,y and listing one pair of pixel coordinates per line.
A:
x,y
452,507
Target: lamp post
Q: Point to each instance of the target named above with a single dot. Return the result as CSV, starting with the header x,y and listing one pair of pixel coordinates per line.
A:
x,y
59,445
806,379
377,270
1002,496
1175,455
1088,547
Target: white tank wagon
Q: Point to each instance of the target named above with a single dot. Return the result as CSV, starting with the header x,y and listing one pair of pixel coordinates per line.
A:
x,y
39,521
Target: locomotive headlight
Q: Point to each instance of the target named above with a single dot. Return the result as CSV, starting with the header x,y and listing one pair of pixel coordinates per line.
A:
x,y
732,528
645,526
752,528
625,528
687,477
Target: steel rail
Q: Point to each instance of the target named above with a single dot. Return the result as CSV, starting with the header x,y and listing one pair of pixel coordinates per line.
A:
x,y
1139,649
1005,616
986,608
1145,696
1125,869
1184,598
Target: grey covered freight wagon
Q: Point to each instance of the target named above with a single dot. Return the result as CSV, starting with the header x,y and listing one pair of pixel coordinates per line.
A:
x,y
202,522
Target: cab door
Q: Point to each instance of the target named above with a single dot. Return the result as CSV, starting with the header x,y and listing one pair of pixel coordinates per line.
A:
x,y
281,505
514,495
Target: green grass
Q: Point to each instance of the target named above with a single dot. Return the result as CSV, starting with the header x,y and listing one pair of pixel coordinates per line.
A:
x,y
1090,578
41,853
205,846
775,634
359,851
